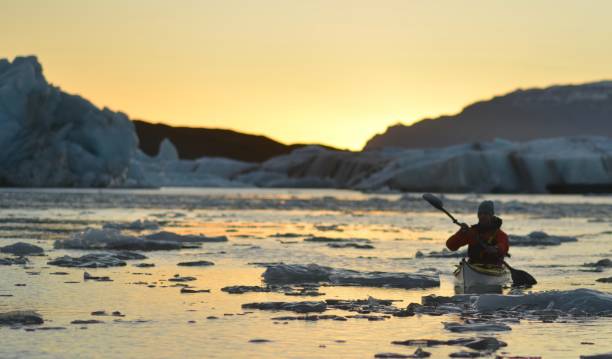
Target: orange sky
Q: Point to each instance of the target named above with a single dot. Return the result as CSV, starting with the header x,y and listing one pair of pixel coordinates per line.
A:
x,y
326,71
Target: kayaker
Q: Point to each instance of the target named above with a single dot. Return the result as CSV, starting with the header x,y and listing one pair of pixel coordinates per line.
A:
x,y
487,243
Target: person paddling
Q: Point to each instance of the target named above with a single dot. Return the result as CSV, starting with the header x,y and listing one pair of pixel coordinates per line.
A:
x,y
487,243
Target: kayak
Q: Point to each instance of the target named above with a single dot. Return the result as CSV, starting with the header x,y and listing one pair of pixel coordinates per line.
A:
x,y
475,278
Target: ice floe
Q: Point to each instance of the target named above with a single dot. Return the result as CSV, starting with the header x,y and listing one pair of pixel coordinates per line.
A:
x,y
578,300
196,264
22,249
444,253
138,225
96,260
313,273
475,327
298,307
114,240
602,263
350,245
12,260
184,238
299,290
21,317
539,238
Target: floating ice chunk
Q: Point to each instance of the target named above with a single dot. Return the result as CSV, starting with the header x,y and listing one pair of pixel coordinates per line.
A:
x,y
186,238
298,307
21,317
597,356
113,239
196,264
582,299
602,263
22,249
539,239
476,327
11,261
312,273
138,225
350,245
96,260
383,279
334,240
444,253
296,273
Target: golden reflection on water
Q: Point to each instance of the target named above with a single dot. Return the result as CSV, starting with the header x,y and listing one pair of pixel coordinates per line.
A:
x,y
158,320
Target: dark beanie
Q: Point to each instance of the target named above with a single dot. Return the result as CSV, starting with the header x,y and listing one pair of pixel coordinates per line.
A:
x,y
486,207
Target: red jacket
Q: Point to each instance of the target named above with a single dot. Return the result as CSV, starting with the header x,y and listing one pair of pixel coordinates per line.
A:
x,y
476,252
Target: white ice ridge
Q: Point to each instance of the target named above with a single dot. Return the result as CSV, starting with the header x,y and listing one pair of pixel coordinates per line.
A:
x,y
500,165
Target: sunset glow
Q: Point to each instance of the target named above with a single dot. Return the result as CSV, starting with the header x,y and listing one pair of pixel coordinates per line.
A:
x,y
331,72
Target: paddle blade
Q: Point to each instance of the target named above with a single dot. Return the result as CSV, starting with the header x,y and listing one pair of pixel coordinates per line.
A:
x,y
433,200
520,278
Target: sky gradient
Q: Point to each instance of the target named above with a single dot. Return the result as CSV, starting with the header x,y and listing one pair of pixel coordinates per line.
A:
x,y
332,72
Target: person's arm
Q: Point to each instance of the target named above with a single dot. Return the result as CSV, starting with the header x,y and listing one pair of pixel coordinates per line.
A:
x,y
459,239
502,244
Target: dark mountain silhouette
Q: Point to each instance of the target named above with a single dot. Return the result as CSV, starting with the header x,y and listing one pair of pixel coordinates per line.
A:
x,y
521,115
192,143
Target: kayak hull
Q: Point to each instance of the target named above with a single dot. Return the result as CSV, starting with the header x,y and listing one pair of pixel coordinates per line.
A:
x,y
472,279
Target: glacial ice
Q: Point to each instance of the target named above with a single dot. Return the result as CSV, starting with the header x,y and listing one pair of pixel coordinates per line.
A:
x,y
479,167
51,138
496,166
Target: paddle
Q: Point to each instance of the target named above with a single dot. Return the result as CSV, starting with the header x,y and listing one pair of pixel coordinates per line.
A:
x,y
519,277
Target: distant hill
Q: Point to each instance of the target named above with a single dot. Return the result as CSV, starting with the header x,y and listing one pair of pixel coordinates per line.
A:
x,y
522,115
192,143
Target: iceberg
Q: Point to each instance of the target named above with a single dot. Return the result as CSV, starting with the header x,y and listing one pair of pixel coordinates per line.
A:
x,y
50,138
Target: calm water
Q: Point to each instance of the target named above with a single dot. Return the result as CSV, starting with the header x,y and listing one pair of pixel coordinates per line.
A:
x,y
161,322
